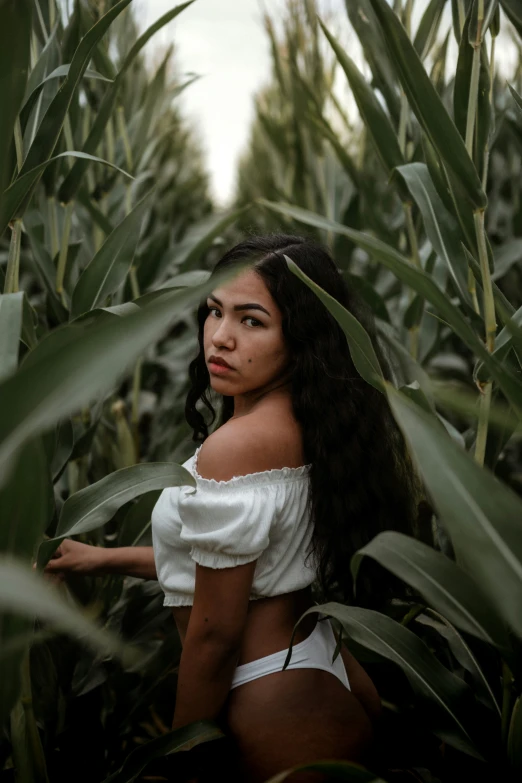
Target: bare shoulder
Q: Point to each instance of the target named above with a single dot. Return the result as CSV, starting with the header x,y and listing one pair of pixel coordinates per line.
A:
x,y
249,445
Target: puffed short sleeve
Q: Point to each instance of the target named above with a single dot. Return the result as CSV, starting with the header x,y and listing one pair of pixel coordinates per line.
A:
x,y
226,526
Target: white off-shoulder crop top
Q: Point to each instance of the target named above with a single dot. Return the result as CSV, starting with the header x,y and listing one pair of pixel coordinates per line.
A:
x,y
260,516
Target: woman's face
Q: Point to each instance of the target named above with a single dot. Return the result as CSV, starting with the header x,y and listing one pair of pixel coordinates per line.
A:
x,y
244,330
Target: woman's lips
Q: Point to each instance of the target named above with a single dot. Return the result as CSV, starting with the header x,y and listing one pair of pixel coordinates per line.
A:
x,y
218,369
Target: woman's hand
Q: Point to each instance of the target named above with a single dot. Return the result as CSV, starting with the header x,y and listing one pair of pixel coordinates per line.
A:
x,y
73,557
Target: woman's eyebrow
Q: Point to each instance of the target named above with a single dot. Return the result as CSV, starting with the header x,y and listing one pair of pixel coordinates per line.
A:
x,y
248,306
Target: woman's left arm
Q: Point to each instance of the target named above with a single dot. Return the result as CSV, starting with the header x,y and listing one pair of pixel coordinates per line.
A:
x,y
212,642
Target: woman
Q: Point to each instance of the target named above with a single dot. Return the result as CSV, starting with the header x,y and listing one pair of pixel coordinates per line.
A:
x,y
305,468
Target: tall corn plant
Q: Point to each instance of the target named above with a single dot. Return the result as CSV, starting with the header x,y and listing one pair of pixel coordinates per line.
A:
x,y
431,237
104,216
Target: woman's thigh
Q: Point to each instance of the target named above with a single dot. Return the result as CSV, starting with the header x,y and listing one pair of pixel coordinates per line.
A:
x,y
294,717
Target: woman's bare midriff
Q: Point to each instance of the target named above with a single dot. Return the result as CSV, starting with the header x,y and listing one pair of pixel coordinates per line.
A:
x,y
269,626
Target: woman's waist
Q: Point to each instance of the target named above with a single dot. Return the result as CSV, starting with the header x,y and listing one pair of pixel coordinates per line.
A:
x,y
269,625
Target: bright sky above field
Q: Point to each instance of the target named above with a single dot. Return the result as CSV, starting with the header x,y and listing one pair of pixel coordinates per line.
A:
x,y
224,41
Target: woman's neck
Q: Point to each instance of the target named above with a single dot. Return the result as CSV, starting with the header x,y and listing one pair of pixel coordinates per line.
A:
x,y
244,404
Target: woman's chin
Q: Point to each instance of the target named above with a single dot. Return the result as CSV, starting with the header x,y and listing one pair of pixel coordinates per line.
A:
x,y
221,386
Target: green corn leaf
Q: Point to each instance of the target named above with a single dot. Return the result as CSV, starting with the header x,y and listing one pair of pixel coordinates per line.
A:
x,y
60,72
95,505
16,196
428,28
26,500
444,586
73,179
359,343
41,67
107,271
374,116
15,36
11,308
422,283
463,655
25,503
81,363
182,739
50,128
27,594
427,105
483,517
442,231
449,698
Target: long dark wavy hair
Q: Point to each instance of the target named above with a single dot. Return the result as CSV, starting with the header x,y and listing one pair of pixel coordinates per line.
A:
x,y
362,480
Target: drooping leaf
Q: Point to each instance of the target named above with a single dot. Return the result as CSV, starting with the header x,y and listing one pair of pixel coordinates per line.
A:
x,y
82,363
95,505
360,345
483,517
444,586
448,697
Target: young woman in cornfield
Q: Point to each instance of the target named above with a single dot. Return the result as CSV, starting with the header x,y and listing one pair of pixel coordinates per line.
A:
x,y
306,466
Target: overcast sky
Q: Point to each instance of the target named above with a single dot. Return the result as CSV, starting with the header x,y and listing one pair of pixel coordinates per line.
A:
x,y
224,41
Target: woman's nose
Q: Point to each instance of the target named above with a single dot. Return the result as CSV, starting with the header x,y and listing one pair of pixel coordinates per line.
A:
x,y
223,335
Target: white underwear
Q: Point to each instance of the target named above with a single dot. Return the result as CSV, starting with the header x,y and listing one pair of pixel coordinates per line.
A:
x,y
314,652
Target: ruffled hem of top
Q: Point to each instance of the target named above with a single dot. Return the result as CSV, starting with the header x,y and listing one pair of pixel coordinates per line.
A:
x,y
272,476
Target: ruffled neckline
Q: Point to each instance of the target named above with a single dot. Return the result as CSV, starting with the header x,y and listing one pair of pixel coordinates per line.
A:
x,y
272,476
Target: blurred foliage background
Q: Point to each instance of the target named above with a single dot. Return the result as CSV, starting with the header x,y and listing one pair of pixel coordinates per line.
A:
x,y
107,234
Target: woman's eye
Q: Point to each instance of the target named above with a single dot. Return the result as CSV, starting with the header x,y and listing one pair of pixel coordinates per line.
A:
x,y
255,322
214,310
